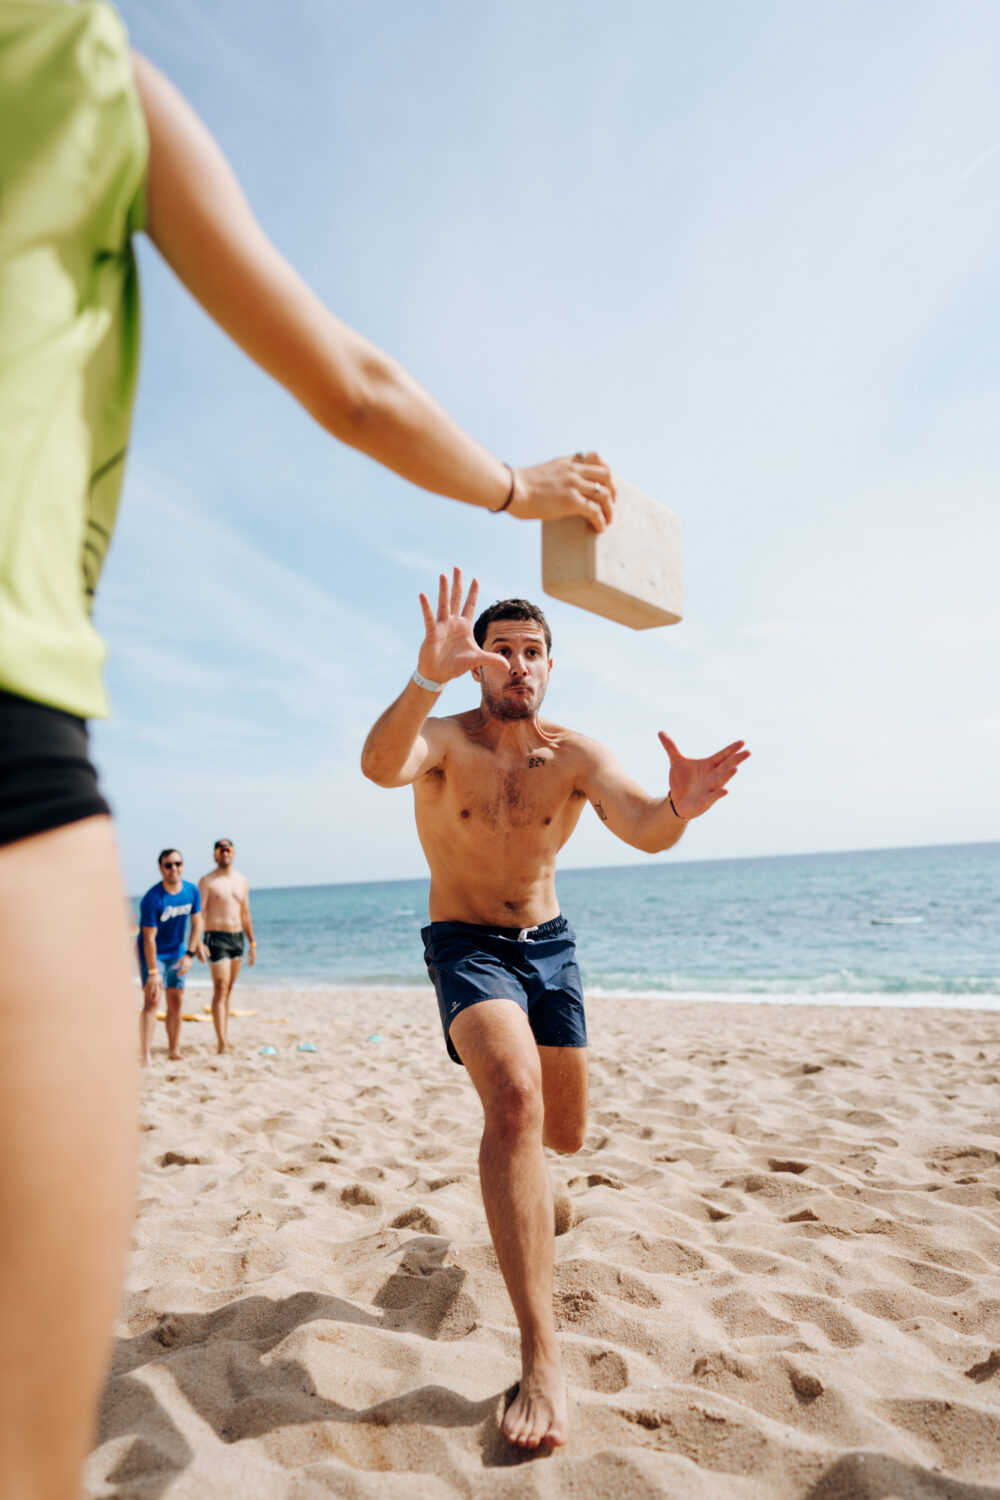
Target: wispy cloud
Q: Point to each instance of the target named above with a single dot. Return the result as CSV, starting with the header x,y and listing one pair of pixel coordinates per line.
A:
x,y
973,167
417,562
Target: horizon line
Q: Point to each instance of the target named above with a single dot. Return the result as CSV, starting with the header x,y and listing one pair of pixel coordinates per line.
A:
x,y
645,865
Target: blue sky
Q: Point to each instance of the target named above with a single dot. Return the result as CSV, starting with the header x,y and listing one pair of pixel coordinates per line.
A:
x,y
749,252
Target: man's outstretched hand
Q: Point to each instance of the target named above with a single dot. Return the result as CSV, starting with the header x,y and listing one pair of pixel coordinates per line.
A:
x,y
449,647
579,486
695,785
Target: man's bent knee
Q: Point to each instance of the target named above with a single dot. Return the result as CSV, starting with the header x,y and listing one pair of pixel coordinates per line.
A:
x,y
515,1106
566,1139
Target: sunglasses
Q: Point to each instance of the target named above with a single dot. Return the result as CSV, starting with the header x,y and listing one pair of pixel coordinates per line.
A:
x,y
173,864
224,848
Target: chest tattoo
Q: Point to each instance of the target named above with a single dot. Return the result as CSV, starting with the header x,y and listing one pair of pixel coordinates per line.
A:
x,y
535,760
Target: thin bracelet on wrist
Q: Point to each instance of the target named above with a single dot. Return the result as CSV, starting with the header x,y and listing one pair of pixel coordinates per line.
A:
x,y
673,809
510,492
426,684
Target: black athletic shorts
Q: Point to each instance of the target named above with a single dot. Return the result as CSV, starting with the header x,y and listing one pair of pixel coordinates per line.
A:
x,y
46,778
533,966
222,945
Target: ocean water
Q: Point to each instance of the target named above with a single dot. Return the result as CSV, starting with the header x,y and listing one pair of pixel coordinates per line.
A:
x,y
891,926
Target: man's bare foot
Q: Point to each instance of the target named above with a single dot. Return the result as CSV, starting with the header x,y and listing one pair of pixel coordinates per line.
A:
x,y
538,1414
175,1056
223,1049
147,1061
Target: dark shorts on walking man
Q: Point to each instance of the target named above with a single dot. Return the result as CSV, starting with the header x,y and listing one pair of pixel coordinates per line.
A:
x,y
222,945
533,966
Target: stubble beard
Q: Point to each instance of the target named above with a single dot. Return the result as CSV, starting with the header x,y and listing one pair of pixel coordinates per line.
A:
x,y
503,707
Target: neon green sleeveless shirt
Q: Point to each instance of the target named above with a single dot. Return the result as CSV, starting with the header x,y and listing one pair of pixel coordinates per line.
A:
x,y
73,154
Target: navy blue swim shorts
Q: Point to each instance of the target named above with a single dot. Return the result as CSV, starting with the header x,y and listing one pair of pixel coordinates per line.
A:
x,y
533,966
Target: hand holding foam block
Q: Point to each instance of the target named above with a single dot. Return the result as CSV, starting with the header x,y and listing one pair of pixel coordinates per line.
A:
x,y
630,573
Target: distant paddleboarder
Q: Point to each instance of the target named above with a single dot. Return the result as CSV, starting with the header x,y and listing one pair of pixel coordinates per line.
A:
x,y
497,791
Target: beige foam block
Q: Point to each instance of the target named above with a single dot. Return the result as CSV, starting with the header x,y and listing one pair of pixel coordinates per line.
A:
x,y
630,573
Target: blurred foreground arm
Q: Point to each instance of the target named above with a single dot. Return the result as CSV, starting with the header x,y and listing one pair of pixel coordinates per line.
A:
x,y
201,223
152,985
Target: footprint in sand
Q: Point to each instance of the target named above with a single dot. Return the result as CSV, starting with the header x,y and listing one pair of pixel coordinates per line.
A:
x,y
664,1256
178,1159
962,1159
987,1367
416,1218
825,1316
356,1195
595,1369
804,1384
573,1277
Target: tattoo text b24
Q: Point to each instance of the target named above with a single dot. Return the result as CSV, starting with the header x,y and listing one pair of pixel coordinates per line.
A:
x,y
535,760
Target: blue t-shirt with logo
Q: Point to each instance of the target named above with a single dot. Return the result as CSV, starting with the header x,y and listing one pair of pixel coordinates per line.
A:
x,y
168,913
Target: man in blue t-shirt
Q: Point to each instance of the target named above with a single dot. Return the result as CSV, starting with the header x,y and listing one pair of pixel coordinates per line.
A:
x,y
164,957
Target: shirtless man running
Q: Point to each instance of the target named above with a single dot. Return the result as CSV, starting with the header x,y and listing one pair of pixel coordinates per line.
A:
x,y
498,790
225,900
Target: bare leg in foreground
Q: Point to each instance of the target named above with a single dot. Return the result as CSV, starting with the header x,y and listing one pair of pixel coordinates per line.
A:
x,y
67,1144
531,1097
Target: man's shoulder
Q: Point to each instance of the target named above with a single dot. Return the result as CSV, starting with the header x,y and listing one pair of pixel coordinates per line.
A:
x,y
570,742
454,723
579,754
452,732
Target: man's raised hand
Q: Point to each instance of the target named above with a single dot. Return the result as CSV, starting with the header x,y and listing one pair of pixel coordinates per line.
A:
x,y
449,647
695,785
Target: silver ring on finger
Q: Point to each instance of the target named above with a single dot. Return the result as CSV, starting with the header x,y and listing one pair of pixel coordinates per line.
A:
x,y
598,491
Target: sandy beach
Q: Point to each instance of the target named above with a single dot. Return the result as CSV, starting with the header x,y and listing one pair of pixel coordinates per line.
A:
x,y
777,1266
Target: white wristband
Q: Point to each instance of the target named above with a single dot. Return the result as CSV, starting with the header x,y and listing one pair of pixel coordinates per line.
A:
x,y
425,682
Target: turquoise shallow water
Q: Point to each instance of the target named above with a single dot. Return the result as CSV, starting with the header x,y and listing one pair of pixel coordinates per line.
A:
x,y
892,926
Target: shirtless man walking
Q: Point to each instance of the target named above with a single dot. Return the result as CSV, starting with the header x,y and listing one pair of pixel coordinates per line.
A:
x,y
225,900
498,790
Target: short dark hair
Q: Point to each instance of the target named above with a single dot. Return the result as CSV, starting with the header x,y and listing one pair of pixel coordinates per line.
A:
x,y
510,609
223,841
165,852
